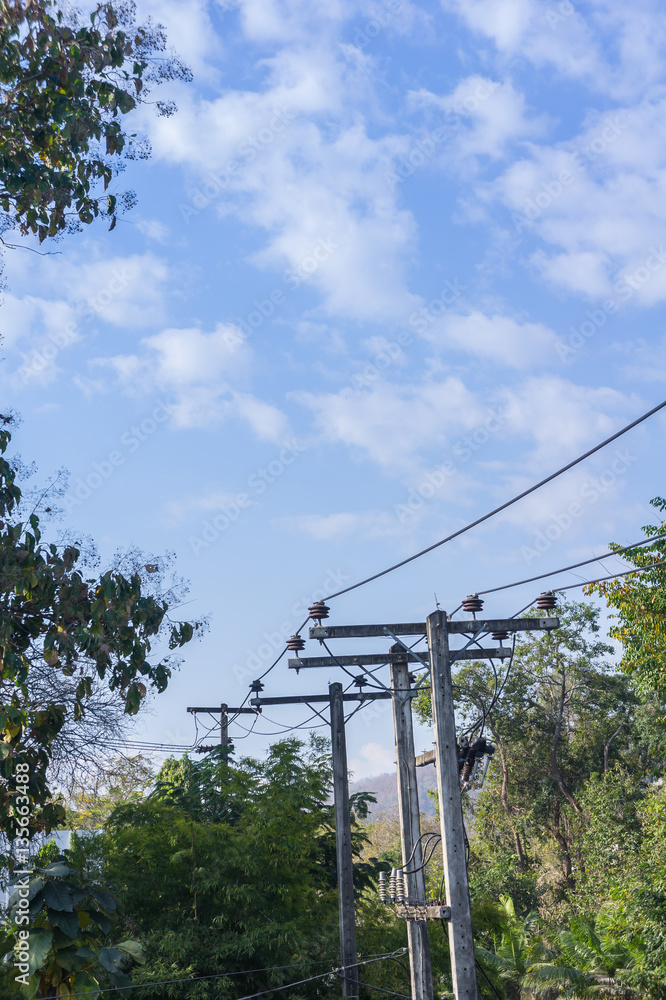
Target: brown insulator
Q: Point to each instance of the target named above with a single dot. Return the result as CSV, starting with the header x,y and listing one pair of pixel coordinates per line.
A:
x,y
472,603
468,765
500,634
295,643
319,610
546,601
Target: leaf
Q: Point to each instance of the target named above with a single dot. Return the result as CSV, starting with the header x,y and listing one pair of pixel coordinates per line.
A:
x,y
86,985
135,949
101,920
104,899
111,959
58,896
58,868
67,922
40,945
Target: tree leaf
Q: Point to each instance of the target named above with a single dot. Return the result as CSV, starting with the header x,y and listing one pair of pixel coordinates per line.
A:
x,y
40,945
58,896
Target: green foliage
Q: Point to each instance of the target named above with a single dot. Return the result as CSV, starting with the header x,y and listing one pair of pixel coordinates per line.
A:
x,y
71,928
639,603
125,779
237,871
53,617
65,87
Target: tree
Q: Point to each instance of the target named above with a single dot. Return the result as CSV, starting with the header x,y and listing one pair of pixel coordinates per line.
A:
x,y
65,87
591,963
639,603
235,870
63,942
123,780
76,627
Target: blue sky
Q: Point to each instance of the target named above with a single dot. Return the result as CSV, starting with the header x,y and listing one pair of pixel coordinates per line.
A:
x,y
390,264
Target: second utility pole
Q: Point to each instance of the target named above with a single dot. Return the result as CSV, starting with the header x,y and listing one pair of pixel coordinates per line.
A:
x,y
461,940
343,846
410,827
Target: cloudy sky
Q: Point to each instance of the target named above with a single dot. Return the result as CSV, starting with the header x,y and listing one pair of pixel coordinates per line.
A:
x,y
391,262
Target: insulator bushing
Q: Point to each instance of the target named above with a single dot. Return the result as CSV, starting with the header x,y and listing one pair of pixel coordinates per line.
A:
x,y
256,686
472,603
546,601
468,765
393,884
382,887
296,643
360,681
501,634
319,610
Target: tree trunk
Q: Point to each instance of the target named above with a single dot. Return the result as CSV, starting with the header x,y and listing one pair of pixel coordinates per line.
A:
x,y
554,766
608,745
564,844
504,797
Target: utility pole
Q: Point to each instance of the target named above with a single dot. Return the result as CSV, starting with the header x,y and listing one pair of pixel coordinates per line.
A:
x,y
461,940
224,725
343,847
410,827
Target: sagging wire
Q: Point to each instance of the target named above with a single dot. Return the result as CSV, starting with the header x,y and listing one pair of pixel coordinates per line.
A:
x,y
222,975
503,506
379,685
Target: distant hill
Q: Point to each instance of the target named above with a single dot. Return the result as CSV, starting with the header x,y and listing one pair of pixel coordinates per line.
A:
x,y
385,789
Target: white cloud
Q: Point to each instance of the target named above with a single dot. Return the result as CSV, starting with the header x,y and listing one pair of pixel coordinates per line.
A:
x,y
615,49
324,527
394,424
488,116
200,370
497,338
295,161
373,759
596,204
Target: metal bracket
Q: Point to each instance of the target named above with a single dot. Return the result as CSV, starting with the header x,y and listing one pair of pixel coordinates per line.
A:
x,y
423,911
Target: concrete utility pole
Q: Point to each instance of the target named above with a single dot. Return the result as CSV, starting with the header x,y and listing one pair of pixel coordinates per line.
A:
x,y
343,847
224,725
461,940
410,827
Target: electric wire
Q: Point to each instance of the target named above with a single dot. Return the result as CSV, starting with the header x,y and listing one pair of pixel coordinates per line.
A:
x,y
382,989
487,979
501,507
566,569
614,576
246,972
379,685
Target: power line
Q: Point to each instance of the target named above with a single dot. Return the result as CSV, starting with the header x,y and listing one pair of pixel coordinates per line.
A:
x,y
565,569
244,972
614,576
497,510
